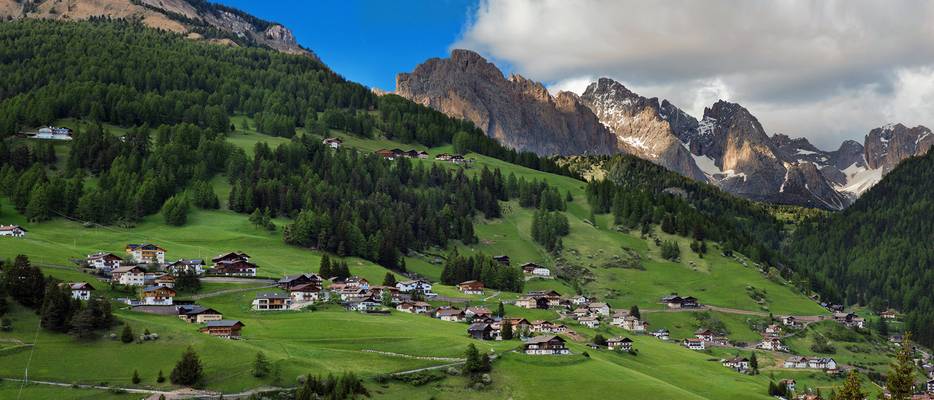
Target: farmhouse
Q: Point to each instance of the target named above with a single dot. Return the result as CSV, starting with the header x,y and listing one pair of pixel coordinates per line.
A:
x,y
290,281
353,282
146,253
225,328
12,230
790,384
231,256
233,264
414,307
158,296
889,314
619,343
694,343
599,308
377,292
773,344
683,302
186,266
481,331
590,322
631,323
79,290
416,285
773,329
661,334
333,142
822,363
737,363
796,362
104,262
363,305
849,320
704,334
352,293
533,269
165,281
545,345
129,276
450,314
270,301
197,314
532,302
518,325
790,321
579,300
307,292
470,287
478,312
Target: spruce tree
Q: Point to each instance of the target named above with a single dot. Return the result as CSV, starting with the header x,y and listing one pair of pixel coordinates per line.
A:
x,y
852,389
325,267
500,310
901,376
160,378
472,363
188,370
83,324
127,335
260,365
506,331
754,363
136,379
57,309
634,311
389,279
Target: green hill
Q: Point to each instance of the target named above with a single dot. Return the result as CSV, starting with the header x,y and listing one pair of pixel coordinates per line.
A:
x,y
259,116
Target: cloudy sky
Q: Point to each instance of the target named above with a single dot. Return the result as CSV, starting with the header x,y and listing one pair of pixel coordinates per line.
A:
x,y
828,70
824,69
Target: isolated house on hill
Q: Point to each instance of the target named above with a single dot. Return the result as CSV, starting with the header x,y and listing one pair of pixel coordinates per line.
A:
x,y
470,287
228,329
533,269
79,290
480,331
197,314
545,345
12,230
619,343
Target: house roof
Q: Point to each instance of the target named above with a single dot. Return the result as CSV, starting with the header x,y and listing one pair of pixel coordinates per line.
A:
x,y
12,228
306,287
597,305
619,339
103,254
478,326
479,310
271,295
143,246
224,323
127,268
154,288
80,286
545,339
448,312
239,254
184,261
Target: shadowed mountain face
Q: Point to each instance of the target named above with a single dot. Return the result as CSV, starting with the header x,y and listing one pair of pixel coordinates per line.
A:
x,y
199,20
516,111
727,147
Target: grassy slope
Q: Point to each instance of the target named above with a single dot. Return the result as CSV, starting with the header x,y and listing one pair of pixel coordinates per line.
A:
x,y
332,340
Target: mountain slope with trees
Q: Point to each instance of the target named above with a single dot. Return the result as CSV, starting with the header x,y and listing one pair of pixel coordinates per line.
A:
x,y
880,251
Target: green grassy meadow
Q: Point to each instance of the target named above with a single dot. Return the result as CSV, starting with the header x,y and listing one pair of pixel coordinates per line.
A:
x,y
331,340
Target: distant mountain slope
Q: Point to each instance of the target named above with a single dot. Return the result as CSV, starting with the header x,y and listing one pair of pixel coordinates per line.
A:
x,y
516,111
879,251
199,19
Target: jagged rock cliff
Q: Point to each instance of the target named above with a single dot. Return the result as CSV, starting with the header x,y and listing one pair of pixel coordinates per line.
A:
x,y
637,121
518,112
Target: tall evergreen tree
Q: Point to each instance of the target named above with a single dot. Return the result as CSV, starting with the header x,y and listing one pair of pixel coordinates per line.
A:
x,y
852,388
900,381
188,370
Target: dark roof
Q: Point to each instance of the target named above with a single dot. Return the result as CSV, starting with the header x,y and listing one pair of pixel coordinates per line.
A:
x,y
479,326
224,323
151,288
184,261
545,339
196,310
271,295
144,246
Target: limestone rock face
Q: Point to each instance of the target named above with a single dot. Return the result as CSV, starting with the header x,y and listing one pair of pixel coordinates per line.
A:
x,y
888,145
518,112
637,122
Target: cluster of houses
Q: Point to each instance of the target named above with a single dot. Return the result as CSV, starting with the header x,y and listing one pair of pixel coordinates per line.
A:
x,y
394,154
484,326
798,362
152,256
12,230
355,293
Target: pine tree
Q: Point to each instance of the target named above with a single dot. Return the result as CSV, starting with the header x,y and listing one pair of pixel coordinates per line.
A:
x,y
25,282
852,389
472,364
389,280
506,331
500,310
57,309
83,324
188,370
325,267
260,365
136,379
754,363
901,376
127,335
160,378
634,311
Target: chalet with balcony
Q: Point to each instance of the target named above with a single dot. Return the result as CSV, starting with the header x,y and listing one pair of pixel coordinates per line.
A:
x,y
158,296
270,301
197,314
545,345
146,253
227,329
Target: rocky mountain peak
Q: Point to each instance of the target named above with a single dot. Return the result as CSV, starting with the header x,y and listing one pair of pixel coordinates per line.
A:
x,y
519,112
887,145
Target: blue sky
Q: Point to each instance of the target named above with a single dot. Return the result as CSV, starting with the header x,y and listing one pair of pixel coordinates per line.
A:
x,y
369,41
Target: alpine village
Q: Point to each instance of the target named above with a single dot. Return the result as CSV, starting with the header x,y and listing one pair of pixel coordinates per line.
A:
x,y
195,206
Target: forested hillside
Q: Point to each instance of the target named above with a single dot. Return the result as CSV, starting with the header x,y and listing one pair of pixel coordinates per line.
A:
x,y
880,251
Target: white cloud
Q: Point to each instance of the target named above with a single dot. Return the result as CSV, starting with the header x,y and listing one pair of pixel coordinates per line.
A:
x,y
575,84
863,61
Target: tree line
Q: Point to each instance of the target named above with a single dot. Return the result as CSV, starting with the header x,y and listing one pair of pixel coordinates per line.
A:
x,y
481,267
